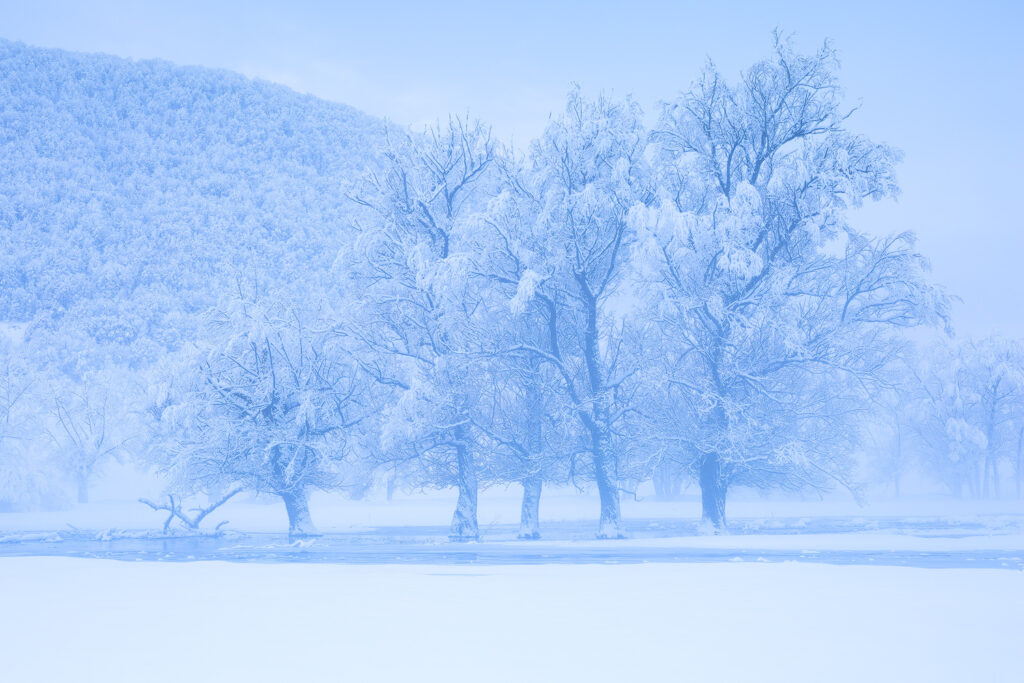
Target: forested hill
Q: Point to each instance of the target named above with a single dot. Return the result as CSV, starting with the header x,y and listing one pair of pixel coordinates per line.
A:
x,y
133,193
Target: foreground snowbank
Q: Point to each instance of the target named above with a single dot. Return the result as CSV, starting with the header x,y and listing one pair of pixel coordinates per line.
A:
x,y
94,620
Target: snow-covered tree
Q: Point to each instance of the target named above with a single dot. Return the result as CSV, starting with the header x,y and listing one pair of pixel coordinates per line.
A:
x,y
525,427
560,242
26,473
780,314
271,404
87,427
890,449
969,412
408,296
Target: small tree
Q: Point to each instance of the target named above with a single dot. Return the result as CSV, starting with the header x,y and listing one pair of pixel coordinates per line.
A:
x,y
271,404
82,432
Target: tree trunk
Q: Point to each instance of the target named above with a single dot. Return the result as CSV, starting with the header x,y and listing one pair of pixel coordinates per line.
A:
x,y
83,488
990,466
596,419
300,524
986,467
712,494
662,481
1019,469
464,523
610,525
991,475
660,491
529,519
667,481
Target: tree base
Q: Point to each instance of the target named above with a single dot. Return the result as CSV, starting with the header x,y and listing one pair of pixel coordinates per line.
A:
x,y
610,530
294,534
709,528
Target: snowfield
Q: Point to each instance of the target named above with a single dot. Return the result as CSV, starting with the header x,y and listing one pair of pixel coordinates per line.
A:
x,y
799,591
99,620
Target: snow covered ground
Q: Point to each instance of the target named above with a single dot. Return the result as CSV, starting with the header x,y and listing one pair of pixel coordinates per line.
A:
x,y
799,591
98,620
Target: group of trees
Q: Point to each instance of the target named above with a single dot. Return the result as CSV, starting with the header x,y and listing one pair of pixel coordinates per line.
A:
x,y
621,302
618,301
56,433
957,413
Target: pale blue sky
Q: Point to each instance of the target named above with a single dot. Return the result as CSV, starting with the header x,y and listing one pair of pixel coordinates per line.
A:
x,y
942,81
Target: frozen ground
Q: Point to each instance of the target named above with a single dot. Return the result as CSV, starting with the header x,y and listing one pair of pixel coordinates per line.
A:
x,y
799,591
96,620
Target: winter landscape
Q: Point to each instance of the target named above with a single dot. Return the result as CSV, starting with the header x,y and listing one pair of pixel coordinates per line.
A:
x,y
464,344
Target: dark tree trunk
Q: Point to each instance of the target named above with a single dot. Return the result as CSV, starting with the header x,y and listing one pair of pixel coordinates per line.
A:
x,y
529,521
300,524
712,494
464,522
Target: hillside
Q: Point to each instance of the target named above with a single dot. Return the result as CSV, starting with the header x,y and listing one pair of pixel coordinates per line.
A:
x,y
134,193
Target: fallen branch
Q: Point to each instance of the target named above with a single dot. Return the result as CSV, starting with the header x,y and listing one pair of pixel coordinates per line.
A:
x,y
174,507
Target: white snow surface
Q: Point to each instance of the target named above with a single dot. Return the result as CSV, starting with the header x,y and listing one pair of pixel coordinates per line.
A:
x,y
100,620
